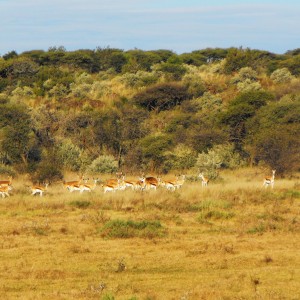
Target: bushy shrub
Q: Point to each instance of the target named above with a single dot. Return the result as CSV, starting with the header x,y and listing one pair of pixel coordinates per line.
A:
x,y
105,164
162,96
139,79
71,156
282,75
80,90
47,171
130,229
7,170
246,73
248,85
220,156
181,158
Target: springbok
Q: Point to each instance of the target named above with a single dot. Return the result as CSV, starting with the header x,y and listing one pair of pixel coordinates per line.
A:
x,y
6,182
88,187
269,180
204,180
150,182
38,189
4,190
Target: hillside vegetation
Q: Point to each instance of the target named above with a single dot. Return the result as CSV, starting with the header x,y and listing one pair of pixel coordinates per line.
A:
x,y
103,110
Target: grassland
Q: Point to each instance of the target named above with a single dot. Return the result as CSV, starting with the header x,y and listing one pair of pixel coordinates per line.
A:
x,y
233,240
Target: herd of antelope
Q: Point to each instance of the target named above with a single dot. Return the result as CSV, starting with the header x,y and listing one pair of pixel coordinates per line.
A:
x,y
120,183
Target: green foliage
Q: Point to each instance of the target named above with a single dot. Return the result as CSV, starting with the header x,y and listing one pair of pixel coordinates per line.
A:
x,y
281,75
161,96
242,108
181,158
153,148
82,204
48,171
15,127
129,229
274,135
237,59
104,164
71,156
7,170
139,79
220,156
172,70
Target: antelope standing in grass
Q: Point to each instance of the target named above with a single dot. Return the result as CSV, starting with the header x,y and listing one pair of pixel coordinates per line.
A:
x,y
205,180
269,180
73,185
6,182
111,186
88,187
150,182
38,189
169,185
4,190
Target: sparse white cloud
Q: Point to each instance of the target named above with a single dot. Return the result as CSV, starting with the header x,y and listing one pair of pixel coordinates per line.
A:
x,y
178,25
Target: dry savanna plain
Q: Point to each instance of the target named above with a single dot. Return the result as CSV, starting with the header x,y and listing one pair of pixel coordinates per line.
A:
x,y
231,240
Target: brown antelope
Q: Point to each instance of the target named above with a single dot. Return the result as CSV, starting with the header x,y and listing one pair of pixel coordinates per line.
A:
x,y
38,189
4,191
88,187
269,180
110,187
72,185
204,180
150,182
169,185
6,182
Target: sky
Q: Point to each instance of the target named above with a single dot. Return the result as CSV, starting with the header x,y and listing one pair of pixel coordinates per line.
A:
x,y
181,26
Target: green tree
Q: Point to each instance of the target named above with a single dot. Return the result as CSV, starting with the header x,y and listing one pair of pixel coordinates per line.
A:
x,y
162,96
242,108
274,136
154,149
15,126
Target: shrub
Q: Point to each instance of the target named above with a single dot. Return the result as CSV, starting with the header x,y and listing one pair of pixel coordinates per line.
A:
x,y
70,155
282,75
181,158
7,170
104,164
80,204
162,96
47,171
220,156
130,229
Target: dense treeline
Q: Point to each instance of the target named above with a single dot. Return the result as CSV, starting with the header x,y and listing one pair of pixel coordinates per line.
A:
x,y
106,109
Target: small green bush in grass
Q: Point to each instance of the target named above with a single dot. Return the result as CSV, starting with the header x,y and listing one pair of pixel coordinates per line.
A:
x,y
129,229
215,215
80,204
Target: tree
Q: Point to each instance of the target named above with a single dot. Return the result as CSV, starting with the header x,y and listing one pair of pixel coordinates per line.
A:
x,y
242,108
162,96
15,126
274,136
154,149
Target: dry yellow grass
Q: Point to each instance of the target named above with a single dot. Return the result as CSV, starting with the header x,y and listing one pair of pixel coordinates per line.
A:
x,y
233,240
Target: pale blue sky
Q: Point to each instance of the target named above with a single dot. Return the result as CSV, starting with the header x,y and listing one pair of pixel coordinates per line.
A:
x,y
177,25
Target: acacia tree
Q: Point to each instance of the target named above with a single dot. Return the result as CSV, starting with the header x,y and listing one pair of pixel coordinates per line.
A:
x,y
241,109
15,126
274,136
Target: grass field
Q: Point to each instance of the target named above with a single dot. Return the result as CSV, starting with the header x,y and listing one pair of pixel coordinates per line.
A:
x,y
232,240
